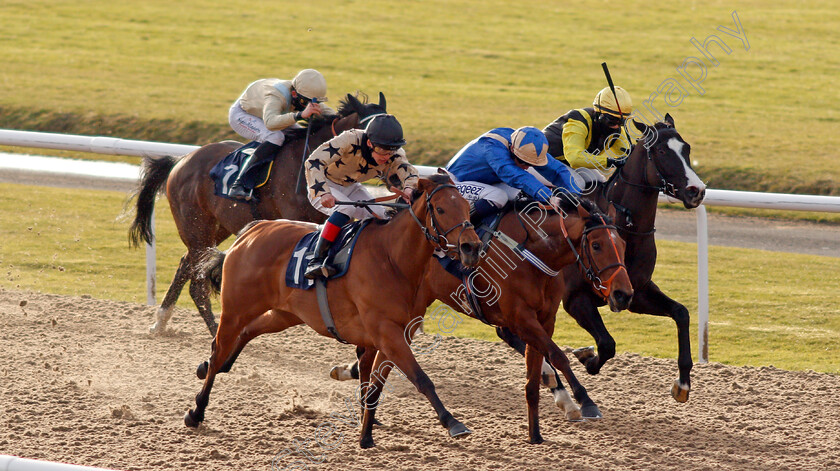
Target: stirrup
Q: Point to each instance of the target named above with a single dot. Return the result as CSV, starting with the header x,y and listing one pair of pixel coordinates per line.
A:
x,y
239,192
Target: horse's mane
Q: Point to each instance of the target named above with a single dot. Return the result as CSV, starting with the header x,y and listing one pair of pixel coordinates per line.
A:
x,y
346,108
569,206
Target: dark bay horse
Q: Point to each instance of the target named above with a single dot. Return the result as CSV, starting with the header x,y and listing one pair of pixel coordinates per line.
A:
x,y
659,162
389,258
204,220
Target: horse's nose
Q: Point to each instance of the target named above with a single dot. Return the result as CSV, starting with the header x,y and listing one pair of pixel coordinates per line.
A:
x,y
694,196
619,300
469,253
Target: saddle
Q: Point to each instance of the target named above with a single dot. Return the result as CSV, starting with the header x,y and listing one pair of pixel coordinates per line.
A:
x,y
226,171
338,256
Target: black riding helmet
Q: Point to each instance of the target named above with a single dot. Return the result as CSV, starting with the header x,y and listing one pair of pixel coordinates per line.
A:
x,y
385,131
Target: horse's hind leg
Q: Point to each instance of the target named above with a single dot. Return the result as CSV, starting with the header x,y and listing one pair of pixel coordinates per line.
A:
x,y
200,292
270,322
371,390
164,312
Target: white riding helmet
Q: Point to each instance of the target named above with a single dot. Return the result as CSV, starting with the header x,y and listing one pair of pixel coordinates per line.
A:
x,y
309,83
530,145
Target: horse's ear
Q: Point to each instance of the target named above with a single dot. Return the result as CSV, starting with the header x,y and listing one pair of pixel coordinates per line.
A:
x,y
642,127
354,102
382,102
582,212
424,185
669,119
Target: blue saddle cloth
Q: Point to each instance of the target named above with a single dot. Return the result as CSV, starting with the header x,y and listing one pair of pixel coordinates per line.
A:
x,y
340,254
225,172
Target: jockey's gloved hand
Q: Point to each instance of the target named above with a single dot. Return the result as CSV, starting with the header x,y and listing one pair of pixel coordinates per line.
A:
x,y
611,162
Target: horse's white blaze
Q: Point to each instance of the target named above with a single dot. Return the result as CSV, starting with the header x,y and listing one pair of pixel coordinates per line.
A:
x,y
677,145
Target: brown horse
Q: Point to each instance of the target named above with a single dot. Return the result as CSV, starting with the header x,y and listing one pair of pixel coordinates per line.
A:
x,y
204,220
388,258
519,296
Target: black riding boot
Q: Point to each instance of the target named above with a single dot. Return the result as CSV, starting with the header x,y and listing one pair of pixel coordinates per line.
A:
x,y
266,150
318,265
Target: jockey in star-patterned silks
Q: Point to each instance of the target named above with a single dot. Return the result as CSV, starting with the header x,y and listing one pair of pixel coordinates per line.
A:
x,y
335,170
267,107
496,166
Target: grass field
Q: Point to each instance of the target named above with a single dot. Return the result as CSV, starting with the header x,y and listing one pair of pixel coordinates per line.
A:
x,y
765,308
766,119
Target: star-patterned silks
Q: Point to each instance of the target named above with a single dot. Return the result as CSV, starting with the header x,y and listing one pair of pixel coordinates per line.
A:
x,y
315,163
339,163
333,150
363,169
349,180
318,187
356,148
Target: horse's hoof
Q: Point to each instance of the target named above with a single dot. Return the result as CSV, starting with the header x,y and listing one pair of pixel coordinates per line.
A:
x,y
459,430
366,442
536,440
584,353
591,412
154,329
680,391
574,415
377,422
201,371
342,373
189,420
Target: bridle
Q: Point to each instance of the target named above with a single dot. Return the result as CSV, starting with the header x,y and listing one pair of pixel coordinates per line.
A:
x,y
590,269
439,239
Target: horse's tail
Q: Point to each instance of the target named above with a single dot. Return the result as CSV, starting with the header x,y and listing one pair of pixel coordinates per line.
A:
x,y
210,267
153,175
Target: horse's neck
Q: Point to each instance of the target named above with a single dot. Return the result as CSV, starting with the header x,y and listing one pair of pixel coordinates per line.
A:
x,y
404,245
632,190
547,240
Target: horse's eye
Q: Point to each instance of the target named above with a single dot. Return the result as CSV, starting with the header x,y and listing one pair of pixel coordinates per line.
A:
x,y
596,246
440,210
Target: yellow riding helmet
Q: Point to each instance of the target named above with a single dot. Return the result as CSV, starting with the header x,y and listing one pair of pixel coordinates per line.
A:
x,y
310,84
605,102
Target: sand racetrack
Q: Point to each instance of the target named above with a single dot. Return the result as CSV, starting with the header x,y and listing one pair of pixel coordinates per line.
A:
x,y
82,381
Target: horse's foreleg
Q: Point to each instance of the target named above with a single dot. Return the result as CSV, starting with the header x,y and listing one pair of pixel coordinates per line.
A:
x,y
533,366
651,300
540,338
583,309
164,312
393,344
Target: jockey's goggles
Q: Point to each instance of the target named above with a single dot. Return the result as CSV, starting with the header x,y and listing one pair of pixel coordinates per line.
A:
x,y
612,121
385,150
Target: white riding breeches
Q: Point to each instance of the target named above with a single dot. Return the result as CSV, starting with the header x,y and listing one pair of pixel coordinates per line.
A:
x,y
252,127
354,192
498,193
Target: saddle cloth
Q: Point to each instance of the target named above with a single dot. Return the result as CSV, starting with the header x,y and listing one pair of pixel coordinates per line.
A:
x,y
225,172
339,255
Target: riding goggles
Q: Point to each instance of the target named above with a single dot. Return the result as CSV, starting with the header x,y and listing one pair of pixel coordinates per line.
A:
x,y
385,150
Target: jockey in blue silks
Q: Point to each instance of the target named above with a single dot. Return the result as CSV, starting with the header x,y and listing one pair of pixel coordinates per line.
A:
x,y
493,168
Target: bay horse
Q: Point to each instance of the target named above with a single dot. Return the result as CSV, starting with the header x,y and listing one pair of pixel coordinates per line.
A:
x,y
390,258
527,302
204,220
525,299
659,162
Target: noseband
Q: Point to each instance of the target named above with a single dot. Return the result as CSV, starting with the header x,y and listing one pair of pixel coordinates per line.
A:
x,y
592,272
